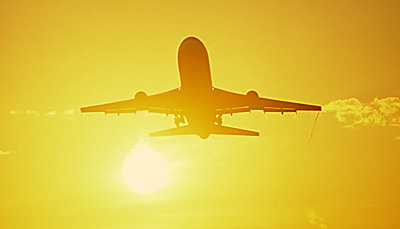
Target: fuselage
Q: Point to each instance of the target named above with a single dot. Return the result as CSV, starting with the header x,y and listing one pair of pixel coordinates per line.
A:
x,y
196,85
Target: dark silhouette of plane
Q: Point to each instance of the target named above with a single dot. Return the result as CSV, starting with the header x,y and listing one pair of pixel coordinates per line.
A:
x,y
196,101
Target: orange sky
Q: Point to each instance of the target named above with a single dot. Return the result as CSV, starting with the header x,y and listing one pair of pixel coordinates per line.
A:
x,y
60,168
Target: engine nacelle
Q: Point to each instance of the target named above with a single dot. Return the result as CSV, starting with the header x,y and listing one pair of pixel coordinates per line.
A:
x,y
141,101
252,95
140,95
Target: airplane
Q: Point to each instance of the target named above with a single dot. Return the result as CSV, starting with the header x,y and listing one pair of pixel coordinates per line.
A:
x,y
196,102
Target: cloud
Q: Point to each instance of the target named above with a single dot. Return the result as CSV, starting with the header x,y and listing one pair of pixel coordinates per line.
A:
x,y
316,220
4,152
27,112
70,112
12,112
32,112
380,112
51,113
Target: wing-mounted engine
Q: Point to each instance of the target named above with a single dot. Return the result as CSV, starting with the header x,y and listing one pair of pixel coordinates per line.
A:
x,y
141,100
253,95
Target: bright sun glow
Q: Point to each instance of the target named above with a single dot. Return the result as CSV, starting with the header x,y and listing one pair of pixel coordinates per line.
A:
x,y
145,170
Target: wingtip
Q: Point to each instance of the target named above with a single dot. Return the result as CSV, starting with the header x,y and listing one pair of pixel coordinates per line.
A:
x,y
85,109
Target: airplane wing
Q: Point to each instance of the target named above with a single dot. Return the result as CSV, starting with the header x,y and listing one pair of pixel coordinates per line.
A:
x,y
166,103
228,103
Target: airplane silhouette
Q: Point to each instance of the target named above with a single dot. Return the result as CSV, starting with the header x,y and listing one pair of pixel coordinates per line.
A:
x,y
196,101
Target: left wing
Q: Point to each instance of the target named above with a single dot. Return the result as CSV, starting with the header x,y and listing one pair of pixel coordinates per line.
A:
x,y
167,103
228,103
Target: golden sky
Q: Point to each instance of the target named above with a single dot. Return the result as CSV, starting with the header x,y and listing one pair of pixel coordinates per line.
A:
x,y
62,169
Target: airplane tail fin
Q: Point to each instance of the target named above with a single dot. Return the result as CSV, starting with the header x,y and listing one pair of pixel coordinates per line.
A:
x,y
203,133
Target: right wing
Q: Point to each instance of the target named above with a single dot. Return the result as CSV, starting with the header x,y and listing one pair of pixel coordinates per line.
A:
x,y
228,103
167,103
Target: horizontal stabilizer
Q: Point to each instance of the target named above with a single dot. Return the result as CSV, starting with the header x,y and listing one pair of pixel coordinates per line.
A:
x,y
203,132
183,130
232,131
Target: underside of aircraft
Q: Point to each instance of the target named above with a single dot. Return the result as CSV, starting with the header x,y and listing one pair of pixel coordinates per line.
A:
x,y
198,107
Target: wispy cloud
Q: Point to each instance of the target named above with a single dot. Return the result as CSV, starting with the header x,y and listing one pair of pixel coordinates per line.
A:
x,y
69,112
316,220
381,112
15,112
32,112
4,152
51,113
27,112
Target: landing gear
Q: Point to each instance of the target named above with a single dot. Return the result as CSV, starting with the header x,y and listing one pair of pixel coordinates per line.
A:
x,y
179,119
218,120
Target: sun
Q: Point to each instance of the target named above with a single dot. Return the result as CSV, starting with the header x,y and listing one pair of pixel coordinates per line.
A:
x,y
145,170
